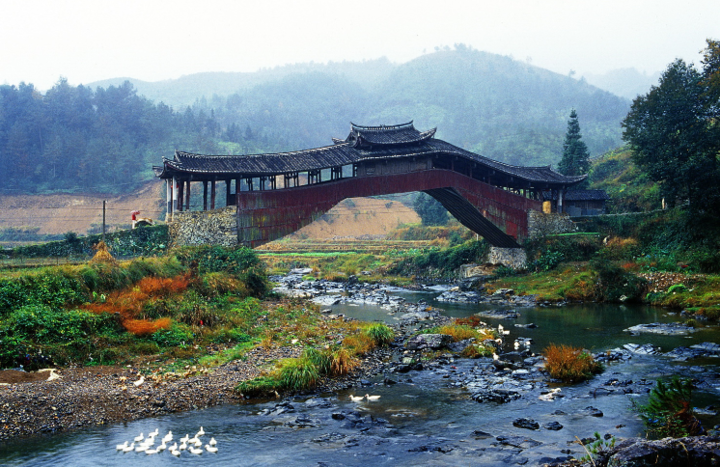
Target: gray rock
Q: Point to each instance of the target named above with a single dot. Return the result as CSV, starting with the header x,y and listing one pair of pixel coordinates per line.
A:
x,y
527,423
554,426
500,396
428,341
698,451
499,314
665,329
642,349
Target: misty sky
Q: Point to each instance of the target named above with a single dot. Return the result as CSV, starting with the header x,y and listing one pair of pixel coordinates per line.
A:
x,y
152,40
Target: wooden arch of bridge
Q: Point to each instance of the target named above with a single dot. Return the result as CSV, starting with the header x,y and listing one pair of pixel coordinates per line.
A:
x,y
279,193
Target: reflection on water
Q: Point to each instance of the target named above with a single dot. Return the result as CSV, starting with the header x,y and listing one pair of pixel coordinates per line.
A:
x,y
423,407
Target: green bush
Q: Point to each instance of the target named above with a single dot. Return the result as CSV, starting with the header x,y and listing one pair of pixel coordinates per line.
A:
x,y
39,335
177,335
614,283
668,411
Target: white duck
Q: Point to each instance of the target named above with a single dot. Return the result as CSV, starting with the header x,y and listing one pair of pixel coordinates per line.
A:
x,y
175,452
129,448
139,382
139,438
195,450
185,438
122,446
154,433
371,398
212,449
200,433
212,442
151,451
356,398
168,437
182,447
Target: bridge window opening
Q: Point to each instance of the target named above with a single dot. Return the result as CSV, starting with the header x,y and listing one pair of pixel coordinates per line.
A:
x,y
325,174
263,180
350,171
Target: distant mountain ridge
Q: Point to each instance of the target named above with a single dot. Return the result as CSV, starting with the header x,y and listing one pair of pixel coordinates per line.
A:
x,y
491,104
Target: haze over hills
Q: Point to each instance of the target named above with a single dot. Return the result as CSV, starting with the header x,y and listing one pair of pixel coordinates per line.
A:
x,y
502,108
626,82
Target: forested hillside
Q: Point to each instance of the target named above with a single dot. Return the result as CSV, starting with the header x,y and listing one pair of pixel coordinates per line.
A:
x,y
487,103
75,139
106,138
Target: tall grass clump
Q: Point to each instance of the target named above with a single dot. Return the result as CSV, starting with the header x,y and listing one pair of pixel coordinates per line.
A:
x,y
570,364
297,374
380,333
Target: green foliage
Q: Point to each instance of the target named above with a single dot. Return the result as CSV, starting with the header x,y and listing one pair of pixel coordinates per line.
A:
x,y
90,140
674,135
668,411
380,333
504,271
598,450
444,262
430,210
177,335
125,243
257,387
241,262
546,261
297,374
614,284
575,153
38,335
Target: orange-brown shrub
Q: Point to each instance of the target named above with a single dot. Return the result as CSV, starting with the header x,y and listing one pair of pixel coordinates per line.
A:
x,y
570,364
129,302
143,327
472,321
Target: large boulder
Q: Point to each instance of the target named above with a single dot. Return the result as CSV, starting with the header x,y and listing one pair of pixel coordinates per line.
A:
x,y
428,341
698,451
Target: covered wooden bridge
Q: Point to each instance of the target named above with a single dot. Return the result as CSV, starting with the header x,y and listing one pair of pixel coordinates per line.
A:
x,y
279,193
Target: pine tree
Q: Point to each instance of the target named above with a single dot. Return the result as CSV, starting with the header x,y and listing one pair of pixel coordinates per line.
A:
x,y
575,153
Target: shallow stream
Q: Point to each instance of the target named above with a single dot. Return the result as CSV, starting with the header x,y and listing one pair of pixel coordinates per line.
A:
x,y
425,418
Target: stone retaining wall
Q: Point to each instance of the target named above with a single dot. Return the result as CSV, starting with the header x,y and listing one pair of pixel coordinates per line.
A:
x,y
216,227
515,258
541,224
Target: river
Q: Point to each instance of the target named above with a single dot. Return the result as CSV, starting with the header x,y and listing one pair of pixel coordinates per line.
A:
x,y
427,417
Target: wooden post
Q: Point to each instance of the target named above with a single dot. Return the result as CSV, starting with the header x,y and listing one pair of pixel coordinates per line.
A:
x,y
561,192
103,237
212,194
187,197
228,182
181,195
168,197
205,195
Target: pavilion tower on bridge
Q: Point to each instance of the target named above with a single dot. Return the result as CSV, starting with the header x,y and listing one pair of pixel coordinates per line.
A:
x,y
276,194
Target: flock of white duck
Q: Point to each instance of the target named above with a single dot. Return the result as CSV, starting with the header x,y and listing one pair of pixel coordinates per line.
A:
x,y
147,444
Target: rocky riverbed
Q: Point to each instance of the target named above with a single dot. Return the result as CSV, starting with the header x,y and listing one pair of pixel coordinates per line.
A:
x,y
538,418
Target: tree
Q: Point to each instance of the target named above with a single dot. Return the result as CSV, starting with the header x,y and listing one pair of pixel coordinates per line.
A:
x,y
673,132
575,153
431,212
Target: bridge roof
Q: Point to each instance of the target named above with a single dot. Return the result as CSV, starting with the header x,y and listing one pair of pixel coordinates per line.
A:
x,y
362,144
